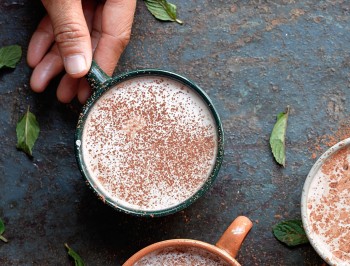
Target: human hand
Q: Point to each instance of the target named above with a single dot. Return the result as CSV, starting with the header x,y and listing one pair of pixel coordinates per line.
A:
x,y
74,32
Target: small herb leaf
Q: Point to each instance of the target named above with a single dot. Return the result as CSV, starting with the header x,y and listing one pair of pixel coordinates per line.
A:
x,y
277,138
77,259
290,232
2,230
162,10
27,132
10,55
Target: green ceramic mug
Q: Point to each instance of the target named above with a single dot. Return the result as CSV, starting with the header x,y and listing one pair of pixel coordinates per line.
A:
x,y
149,142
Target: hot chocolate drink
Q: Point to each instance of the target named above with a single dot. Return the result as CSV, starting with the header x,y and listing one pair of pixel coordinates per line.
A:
x,y
328,207
181,257
150,143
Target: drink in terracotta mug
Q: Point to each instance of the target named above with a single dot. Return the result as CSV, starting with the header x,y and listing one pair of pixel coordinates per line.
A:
x,y
184,252
326,205
149,142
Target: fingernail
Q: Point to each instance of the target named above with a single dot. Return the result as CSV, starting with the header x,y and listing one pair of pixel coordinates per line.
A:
x,y
75,64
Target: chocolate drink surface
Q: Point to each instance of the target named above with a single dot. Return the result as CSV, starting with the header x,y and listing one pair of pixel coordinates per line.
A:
x,y
329,206
149,143
181,257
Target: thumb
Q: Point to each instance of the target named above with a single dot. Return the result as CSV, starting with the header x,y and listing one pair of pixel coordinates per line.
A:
x,y
72,35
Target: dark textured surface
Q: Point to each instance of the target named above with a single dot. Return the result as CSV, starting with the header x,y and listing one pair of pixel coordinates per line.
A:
x,y
253,58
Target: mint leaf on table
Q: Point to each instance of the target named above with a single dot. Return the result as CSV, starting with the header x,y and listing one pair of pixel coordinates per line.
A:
x,y
277,138
27,132
2,230
162,10
77,259
290,232
10,55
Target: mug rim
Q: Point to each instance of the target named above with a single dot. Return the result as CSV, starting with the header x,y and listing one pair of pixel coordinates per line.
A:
x,y
187,243
109,84
324,253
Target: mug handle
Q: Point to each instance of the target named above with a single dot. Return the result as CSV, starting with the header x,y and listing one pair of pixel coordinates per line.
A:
x,y
234,235
96,77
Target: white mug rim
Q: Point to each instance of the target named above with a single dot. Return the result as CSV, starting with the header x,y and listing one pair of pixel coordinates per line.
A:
x,y
325,254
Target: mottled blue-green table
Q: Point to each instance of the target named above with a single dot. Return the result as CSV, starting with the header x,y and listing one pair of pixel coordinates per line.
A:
x,y
253,58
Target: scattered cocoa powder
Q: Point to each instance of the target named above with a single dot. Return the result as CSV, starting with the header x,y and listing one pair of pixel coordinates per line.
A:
x,y
343,132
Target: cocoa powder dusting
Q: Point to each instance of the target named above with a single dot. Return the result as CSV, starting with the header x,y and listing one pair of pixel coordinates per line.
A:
x,y
181,256
330,211
150,143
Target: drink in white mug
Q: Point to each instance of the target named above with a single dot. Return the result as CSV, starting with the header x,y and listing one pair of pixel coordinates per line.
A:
x,y
328,207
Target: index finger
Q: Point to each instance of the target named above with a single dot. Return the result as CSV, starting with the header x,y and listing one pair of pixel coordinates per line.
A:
x,y
116,23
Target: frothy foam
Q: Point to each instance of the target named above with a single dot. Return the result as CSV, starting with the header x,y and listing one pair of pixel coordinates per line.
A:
x,y
329,207
149,143
181,257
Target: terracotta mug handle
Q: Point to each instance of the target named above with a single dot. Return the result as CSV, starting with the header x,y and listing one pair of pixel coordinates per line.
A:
x,y
234,235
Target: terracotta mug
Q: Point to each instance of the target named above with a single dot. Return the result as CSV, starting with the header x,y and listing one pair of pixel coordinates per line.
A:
x,y
193,252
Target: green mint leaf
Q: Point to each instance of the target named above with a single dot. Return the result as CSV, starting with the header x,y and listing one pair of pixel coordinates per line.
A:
x,y
77,259
10,55
27,132
162,10
277,138
2,230
290,232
